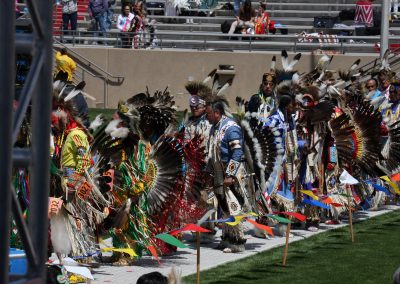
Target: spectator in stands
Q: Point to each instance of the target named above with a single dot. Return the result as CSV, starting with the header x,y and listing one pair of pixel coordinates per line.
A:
x,y
124,25
245,18
137,24
263,23
110,14
65,63
147,25
236,7
98,11
364,14
372,86
142,26
17,12
69,14
394,5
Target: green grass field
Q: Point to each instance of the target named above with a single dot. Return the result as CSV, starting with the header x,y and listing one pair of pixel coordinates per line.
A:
x,y
93,112
325,258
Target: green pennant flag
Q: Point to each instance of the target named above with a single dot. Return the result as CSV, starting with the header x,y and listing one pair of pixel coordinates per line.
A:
x,y
345,195
171,240
279,219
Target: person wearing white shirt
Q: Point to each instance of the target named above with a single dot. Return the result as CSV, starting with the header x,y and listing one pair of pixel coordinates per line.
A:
x,y
124,24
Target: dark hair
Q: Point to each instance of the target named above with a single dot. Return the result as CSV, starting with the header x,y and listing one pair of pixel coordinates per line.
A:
x,y
63,51
152,278
284,101
218,106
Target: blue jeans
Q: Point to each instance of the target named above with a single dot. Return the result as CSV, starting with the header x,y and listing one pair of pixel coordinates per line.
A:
x,y
101,19
236,6
109,18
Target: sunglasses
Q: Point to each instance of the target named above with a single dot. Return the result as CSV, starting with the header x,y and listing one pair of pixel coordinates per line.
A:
x,y
370,87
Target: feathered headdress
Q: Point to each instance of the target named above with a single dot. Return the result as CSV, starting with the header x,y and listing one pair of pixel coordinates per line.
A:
x,y
287,73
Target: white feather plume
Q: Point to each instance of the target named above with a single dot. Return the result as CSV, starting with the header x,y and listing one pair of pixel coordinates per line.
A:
x,y
223,89
273,63
71,95
113,130
59,234
285,60
209,76
96,122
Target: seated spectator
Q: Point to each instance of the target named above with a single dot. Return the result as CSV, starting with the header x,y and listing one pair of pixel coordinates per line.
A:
x,y
263,23
124,24
245,19
364,14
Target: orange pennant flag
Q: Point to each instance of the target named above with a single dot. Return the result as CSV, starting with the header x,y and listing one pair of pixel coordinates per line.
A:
x,y
262,227
327,200
154,253
395,177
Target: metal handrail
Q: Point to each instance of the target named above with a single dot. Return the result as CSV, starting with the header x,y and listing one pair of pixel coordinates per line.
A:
x,y
203,37
90,64
105,79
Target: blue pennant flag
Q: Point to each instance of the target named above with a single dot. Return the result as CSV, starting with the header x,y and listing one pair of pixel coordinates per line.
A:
x,y
380,188
315,203
229,219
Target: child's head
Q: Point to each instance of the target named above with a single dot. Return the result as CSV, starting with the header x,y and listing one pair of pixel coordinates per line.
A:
x,y
152,278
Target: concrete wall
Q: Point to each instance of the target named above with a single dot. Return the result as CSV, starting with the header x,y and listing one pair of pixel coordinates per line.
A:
x,y
160,68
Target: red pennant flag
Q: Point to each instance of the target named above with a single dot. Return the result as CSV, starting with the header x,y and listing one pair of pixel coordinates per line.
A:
x,y
154,253
262,227
395,177
298,216
189,227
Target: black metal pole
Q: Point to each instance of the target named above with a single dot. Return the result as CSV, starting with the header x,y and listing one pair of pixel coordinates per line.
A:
x,y
41,108
7,76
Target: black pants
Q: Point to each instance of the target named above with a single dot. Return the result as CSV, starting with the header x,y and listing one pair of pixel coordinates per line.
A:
x,y
126,39
73,18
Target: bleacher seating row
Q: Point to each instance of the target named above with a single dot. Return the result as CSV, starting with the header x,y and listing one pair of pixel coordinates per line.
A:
x,y
203,32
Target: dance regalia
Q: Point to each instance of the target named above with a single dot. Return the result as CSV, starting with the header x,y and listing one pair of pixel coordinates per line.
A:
x,y
280,189
225,159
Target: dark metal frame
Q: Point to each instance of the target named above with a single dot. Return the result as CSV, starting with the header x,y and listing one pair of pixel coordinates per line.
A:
x,y
38,90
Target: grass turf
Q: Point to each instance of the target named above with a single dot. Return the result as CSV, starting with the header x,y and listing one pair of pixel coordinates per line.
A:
x,y
93,112
325,258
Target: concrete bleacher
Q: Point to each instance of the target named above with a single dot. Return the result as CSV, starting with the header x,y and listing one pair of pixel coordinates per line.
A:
x,y
202,32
